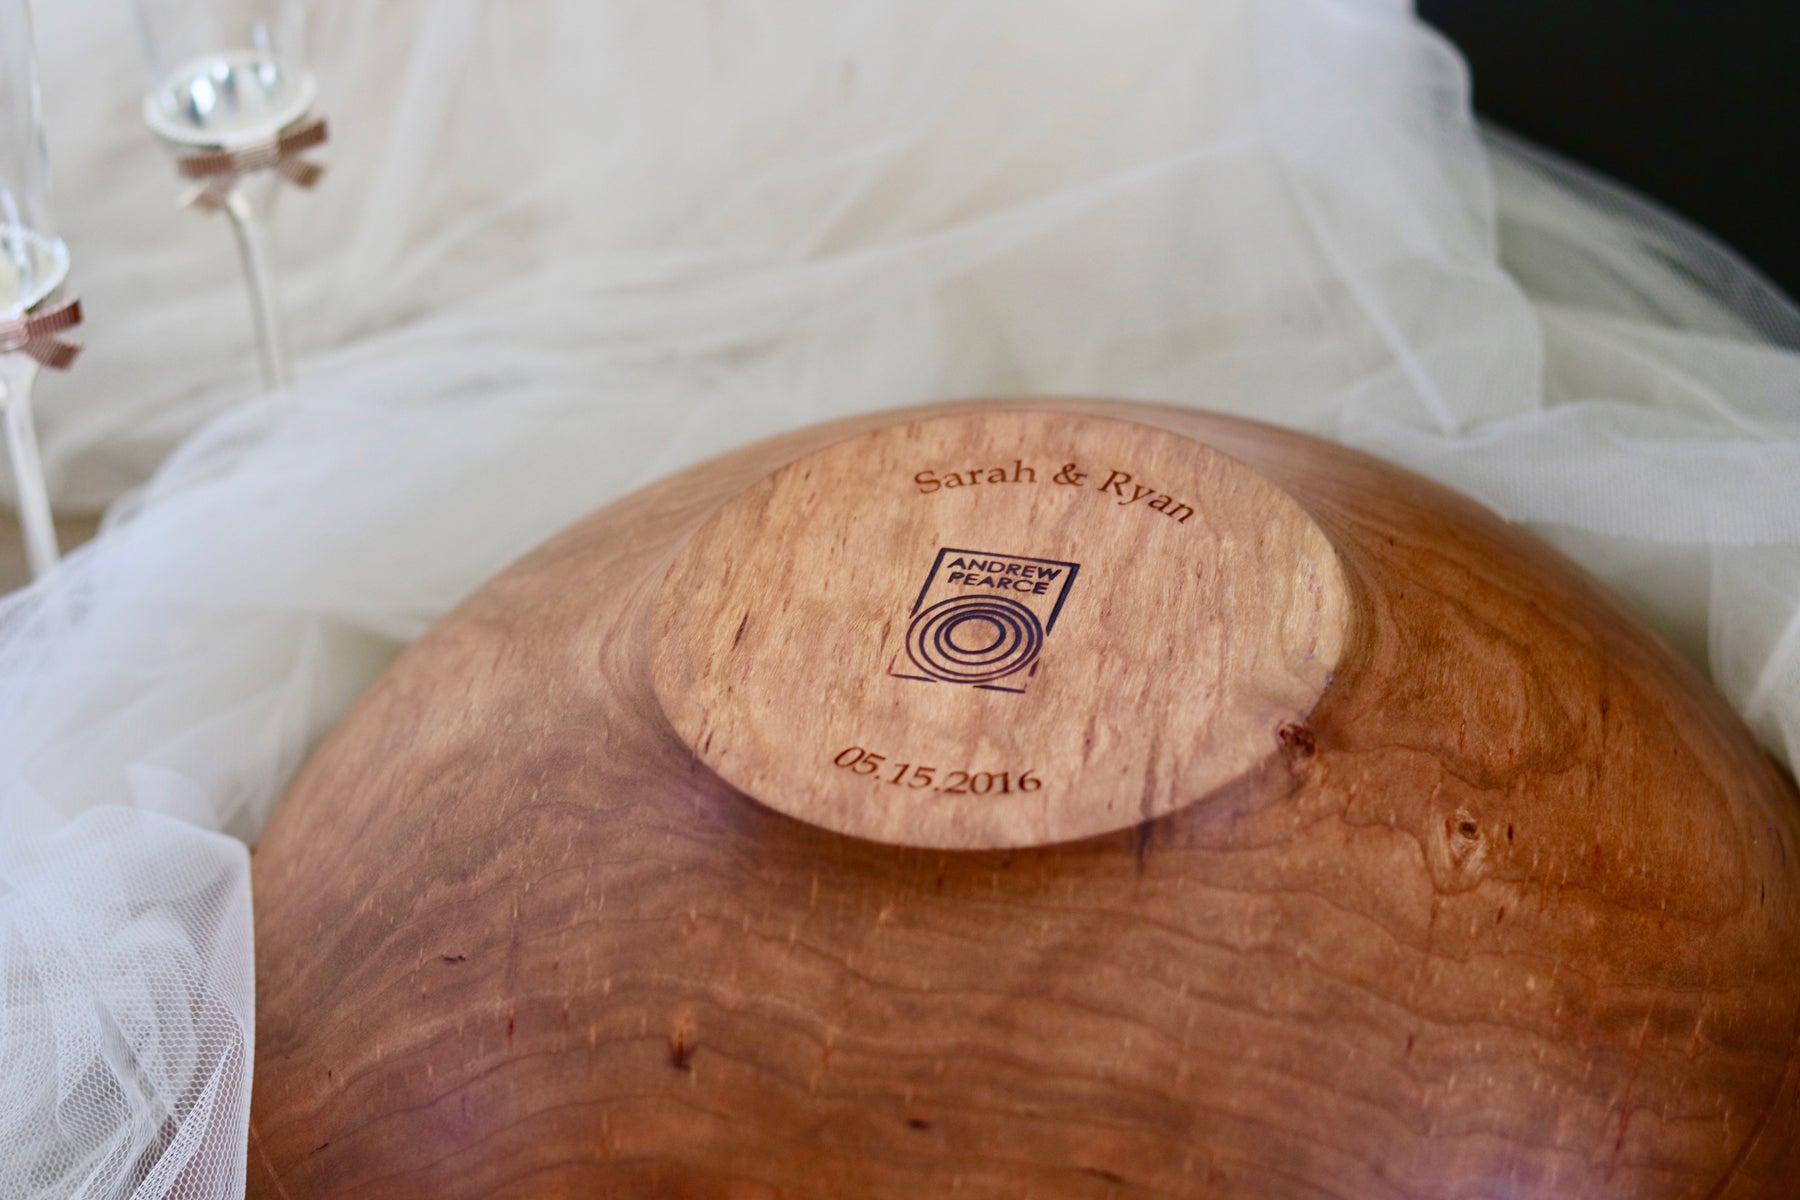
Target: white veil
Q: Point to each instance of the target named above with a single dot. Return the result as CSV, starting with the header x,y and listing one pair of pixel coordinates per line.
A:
x,y
567,246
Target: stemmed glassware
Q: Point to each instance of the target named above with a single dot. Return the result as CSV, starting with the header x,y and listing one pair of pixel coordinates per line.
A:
x,y
230,94
34,265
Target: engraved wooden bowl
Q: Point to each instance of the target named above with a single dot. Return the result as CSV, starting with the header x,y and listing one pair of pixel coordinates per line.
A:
x,y
1034,799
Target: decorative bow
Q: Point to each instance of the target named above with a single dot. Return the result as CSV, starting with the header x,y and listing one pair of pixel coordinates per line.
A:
x,y
35,334
219,169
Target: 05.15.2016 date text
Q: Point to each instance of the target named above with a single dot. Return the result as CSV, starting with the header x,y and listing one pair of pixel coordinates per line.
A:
x,y
919,776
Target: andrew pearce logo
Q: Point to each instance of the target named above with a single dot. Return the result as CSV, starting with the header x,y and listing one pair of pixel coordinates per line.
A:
x,y
982,618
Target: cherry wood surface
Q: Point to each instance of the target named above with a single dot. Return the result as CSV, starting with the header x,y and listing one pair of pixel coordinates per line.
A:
x,y
1083,698
1511,912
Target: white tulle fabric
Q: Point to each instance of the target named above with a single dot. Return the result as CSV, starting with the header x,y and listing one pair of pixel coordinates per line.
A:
x,y
565,247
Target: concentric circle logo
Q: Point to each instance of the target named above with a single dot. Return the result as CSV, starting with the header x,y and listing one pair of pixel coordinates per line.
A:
x,y
974,639
981,618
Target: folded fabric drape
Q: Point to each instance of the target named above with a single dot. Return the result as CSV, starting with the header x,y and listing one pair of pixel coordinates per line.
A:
x,y
568,246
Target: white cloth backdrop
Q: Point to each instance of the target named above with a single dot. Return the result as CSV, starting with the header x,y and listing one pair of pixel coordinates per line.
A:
x,y
568,245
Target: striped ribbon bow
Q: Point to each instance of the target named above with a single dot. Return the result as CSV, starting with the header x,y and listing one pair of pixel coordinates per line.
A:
x,y
36,334
219,169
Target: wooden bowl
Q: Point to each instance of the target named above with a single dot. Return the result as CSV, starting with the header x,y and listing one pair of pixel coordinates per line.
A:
x,y
1034,799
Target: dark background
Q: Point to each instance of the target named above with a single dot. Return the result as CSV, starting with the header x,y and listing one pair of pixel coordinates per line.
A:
x,y
1694,104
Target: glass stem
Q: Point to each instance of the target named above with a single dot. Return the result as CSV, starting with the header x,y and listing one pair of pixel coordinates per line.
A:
x,y
248,204
17,372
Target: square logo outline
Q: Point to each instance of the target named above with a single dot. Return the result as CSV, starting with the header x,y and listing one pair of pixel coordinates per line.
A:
x,y
1030,639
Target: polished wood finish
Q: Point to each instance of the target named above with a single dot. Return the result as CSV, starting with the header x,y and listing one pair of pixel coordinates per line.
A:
x,y
1512,911
806,641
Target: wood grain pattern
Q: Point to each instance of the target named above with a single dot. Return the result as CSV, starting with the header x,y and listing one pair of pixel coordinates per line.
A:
x,y
1513,912
1124,649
